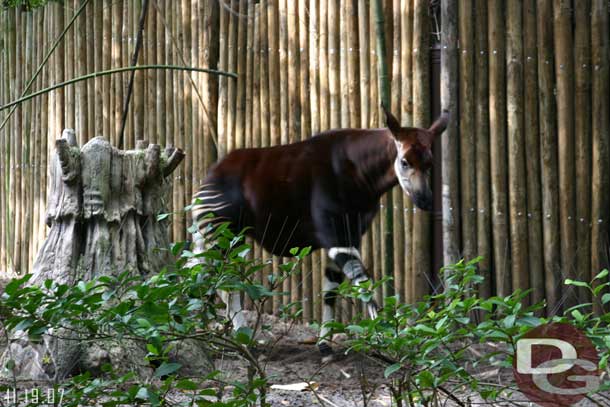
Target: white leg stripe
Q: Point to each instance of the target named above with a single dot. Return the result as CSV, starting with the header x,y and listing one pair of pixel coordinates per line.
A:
x,y
334,251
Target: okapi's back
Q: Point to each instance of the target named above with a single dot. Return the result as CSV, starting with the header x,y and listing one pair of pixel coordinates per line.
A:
x,y
285,193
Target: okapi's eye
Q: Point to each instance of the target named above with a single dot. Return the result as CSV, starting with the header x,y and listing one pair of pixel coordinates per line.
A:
x,y
404,163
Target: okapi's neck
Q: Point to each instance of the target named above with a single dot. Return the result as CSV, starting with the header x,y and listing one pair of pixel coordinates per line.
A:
x,y
374,151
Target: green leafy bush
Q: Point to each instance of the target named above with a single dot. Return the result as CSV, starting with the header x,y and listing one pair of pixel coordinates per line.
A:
x,y
180,303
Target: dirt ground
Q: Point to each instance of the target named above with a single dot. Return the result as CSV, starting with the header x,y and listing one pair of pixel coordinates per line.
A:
x,y
290,356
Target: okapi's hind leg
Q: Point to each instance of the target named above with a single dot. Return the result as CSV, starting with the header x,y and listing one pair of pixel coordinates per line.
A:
x,y
232,300
346,262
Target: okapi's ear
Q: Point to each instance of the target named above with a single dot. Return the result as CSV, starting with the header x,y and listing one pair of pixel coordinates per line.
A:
x,y
440,124
391,121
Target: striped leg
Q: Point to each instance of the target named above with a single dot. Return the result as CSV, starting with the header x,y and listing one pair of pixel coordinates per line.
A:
x,y
208,201
349,261
332,278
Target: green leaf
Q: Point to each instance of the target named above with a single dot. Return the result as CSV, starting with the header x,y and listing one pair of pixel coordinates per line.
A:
x,y
426,379
391,369
186,384
162,216
167,368
606,298
244,335
576,283
601,274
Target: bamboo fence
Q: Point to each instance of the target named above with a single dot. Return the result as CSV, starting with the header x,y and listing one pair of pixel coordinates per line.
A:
x,y
524,163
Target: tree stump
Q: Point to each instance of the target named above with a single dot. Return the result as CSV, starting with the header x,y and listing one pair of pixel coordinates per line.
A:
x,y
102,210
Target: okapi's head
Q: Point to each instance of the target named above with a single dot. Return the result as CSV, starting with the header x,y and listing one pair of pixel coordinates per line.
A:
x,y
414,157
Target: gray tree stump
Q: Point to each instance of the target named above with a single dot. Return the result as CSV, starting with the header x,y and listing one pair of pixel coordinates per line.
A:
x,y
102,212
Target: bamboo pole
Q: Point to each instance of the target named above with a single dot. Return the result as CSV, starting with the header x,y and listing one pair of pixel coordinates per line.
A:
x,y
222,84
116,81
240,118
532,149
406,115
232,66
333,64
12,92
582,143
151,83
305,119
364,58
249,75
106,64
548,153
274,104
600,176
98,46
482,147
398,228
18,151
564,75
314,81
187,135
264,74
375,121
28,125
516,147
421,117
69,59
323,52
5,157
294,113
467,129
80,68
497,123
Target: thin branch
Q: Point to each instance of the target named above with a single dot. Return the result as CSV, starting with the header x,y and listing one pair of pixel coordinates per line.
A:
x,y
113,71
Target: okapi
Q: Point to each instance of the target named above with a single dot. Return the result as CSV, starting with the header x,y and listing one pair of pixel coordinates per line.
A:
x,y
322,192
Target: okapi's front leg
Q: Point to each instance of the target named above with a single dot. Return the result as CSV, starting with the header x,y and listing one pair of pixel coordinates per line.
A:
x,y
346,262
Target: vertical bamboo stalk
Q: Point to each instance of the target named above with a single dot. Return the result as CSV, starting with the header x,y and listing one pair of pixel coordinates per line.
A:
x,y
264,109
222,84
284,101
564,74
117,82
398,233
69,59
467,129
482,147
516,147
600,176
305,119
314,81
274,102
240,124
151,83
421,118
264,73
333,63
249,75
106,64
97,13
188,134
161,56
5,157
365,65
548,153
80,68
18,148
582,143
374,121
497,127
232,67
406,115
323,52
294,111
532,149
10,141
28,126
